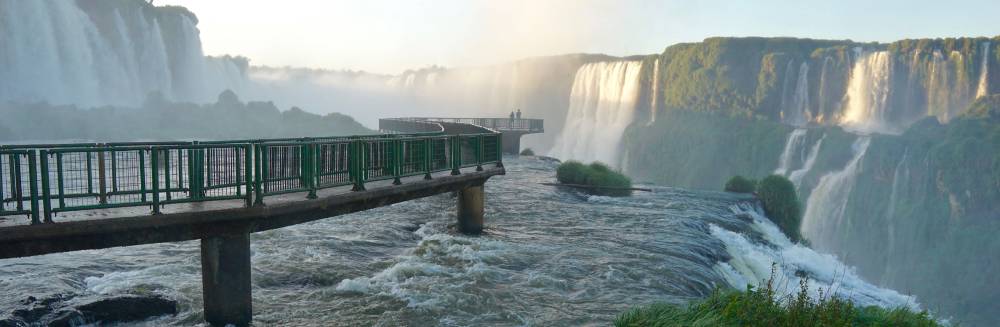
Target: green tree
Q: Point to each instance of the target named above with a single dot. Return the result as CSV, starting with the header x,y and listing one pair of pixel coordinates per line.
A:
x,y
781,204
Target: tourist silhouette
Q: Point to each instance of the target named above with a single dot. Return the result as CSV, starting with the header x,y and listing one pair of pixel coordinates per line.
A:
x,y
518,113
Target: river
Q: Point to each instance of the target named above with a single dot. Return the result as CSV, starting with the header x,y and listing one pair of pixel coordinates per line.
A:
x,y
548,257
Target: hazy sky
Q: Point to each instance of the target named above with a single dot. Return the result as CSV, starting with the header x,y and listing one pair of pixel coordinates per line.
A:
x,y
390,36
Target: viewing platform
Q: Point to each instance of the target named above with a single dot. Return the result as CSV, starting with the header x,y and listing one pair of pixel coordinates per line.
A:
x,y
68,197
511,128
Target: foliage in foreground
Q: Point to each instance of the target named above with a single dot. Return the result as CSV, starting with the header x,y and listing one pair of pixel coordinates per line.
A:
x,y
527,152
763,307
740,184
594,174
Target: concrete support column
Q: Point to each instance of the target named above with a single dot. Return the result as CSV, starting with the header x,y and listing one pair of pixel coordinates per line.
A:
x,y
511,142
470,209
225,279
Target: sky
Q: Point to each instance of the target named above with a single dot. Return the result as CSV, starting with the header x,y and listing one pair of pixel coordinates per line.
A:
x,y
386,36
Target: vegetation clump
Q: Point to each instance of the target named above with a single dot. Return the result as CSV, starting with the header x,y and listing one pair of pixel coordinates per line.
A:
x,y
606,181
740,184
527,152
764,307
781,204
779,199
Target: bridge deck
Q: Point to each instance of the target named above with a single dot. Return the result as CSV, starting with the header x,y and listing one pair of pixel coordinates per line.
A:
x,y
103,228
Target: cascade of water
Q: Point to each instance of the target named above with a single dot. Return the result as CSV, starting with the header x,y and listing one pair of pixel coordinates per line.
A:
x,y
655,93
899,177
797,175
868,93
54,51
795,139
797,114
827,202
788,88
602,105
823,86
984,80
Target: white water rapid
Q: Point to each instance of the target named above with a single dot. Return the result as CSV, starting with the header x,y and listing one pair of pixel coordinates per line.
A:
x,y
752,263
602,105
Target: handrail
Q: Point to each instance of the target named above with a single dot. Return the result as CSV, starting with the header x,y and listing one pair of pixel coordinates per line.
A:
x,y
500,124
43,180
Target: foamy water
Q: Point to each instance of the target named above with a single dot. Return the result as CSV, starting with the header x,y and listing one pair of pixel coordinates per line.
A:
x,y
549,257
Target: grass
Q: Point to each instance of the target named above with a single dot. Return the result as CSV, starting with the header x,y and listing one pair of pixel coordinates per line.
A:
x,y
594,174
764,307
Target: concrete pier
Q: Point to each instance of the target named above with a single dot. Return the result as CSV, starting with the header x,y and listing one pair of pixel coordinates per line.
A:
x,y
470,209
225,279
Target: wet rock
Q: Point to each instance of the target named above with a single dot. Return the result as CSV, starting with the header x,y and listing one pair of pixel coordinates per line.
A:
x,y
67,318
128,308
55,311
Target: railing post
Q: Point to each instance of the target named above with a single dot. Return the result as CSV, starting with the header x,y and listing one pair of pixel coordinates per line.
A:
x,y
142,176
102,196
310,172
397,168
258,162
428,161
248,173
90,175
357,162
479,152
166,173
46,191
16,189
155,157
12,179
59,180
32,187
456,154
499,149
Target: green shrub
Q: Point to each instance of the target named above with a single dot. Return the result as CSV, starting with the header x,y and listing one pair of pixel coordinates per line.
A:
x,y
781,204
594,174
763,307
527,152
740,184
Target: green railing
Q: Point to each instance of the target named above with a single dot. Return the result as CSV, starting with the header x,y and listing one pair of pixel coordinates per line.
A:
x,y
40,181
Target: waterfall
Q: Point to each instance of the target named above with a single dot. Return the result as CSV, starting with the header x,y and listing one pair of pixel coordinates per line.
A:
x,y
602,105
899,177
795,138
55,51
868,94
796,176
655,93
796,112
984,79
827,202
823,86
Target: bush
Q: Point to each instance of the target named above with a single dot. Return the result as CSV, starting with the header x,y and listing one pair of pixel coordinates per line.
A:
x,y
527,152
594,174
763,307
781,204
740,184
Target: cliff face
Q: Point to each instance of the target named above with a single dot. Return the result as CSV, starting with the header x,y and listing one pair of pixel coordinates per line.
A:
x,y
872,87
